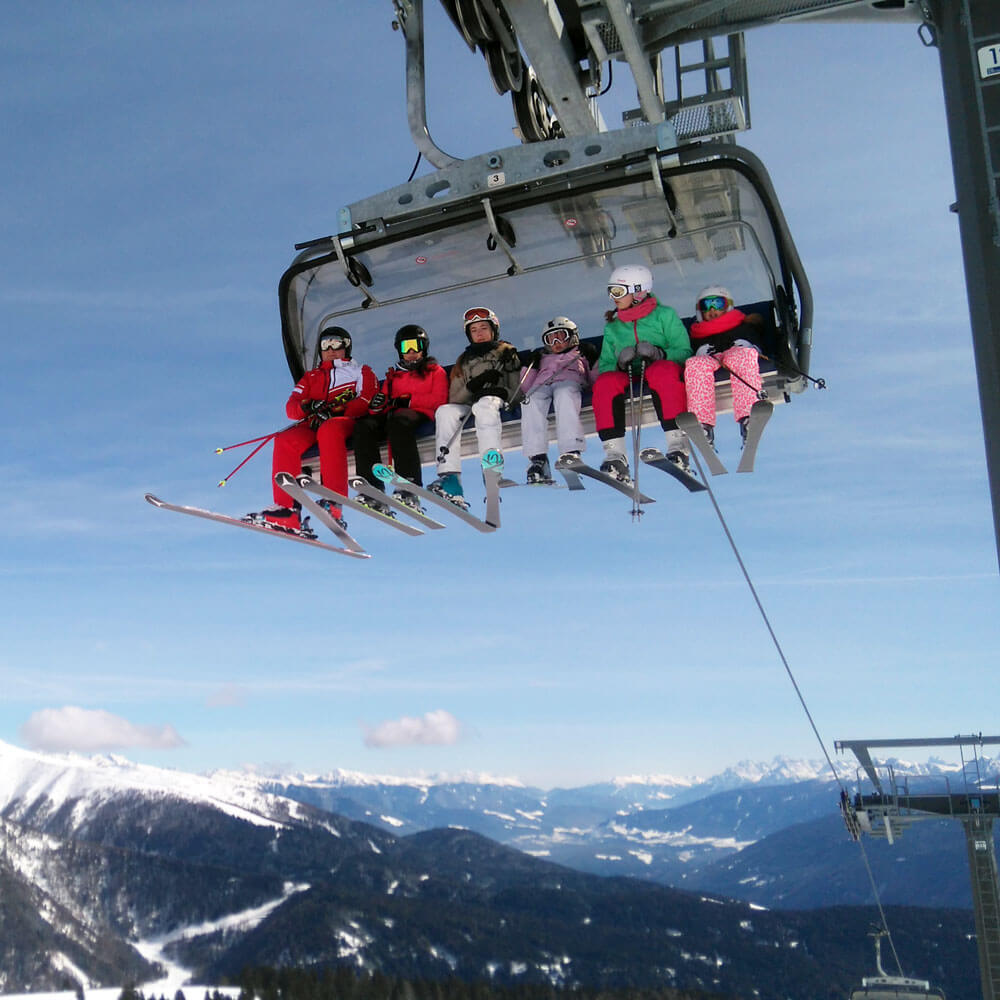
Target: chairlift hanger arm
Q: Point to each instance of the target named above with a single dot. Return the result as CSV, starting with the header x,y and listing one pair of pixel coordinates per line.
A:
x,y
410,20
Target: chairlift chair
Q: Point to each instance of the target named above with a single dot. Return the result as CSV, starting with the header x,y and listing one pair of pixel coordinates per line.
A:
x,y
534,231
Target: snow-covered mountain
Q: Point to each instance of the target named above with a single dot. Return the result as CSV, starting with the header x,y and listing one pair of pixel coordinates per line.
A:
x,y
108,868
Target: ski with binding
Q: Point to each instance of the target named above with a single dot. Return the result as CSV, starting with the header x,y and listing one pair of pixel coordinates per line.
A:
x,y
689,423
292,486
365,488
656,458
338,500
572,468
391,477
290,536
760,413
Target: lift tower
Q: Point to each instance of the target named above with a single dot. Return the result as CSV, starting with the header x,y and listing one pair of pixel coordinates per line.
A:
x,y
892,805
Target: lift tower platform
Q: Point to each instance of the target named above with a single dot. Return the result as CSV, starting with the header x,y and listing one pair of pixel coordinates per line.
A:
x,y
971,799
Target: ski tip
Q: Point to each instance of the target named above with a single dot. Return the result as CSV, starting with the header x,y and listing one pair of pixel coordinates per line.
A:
x,y
154,500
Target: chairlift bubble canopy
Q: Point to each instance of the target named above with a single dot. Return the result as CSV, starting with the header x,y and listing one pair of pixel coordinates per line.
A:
x,y
534,231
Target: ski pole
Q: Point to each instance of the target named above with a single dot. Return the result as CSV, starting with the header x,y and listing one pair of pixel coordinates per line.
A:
x,y
222,482
820,383
513,401
265,438
636,418
761,393
444,449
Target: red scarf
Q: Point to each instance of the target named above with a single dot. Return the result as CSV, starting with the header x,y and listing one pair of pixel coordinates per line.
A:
x,y
709,327
637,310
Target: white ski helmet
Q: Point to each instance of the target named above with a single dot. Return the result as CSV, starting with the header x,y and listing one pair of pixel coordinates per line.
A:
x,y
634,278
481,314
558,324
712,291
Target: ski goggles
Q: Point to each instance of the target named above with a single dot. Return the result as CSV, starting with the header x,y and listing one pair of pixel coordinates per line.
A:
x,y
618,291
557,337
478,314
719,302
411,344
332,343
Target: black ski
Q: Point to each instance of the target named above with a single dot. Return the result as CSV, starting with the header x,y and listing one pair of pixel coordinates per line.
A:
x,y
290,536
656,458
506,484
572,468
365,488
760,413
392,478
306,483
292,486
689,423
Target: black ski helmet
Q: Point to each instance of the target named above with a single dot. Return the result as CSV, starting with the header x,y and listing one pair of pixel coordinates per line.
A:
x,y
333,331
411,332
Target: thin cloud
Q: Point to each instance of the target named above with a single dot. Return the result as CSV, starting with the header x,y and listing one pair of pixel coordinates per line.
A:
x,y
92,731
227,696
439,728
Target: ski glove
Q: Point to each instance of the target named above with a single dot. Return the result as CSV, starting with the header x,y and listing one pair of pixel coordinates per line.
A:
x,y
740,342
535,358
706,350
378,403
316,411
510,359
589,352
401,402
480,382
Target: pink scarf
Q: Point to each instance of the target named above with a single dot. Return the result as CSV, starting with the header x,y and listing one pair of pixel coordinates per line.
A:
x,y
708,327
637,310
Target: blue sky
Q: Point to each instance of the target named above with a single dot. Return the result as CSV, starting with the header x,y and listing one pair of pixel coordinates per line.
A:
x,y
161,162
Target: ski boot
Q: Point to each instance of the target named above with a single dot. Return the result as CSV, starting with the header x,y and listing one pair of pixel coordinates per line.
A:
x,y
709,430
378,506
449,487
538,470
277,517
411,500
681,460
617,468
334,511
744,423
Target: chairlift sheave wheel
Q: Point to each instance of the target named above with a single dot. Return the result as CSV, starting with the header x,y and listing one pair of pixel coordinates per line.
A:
x,y
475,26
532,111
506,69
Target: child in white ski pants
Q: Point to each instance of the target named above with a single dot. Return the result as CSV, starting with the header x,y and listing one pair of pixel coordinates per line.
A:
x,y
450,417
565,398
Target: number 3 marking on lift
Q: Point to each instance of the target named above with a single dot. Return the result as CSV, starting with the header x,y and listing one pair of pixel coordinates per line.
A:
x,y
496,180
